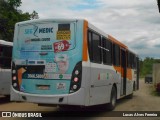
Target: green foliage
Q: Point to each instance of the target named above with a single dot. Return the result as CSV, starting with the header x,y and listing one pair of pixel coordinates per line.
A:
x,y
146,66
14,3
9,15
34,15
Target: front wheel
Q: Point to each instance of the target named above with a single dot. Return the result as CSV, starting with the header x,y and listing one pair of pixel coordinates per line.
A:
x,y
113,99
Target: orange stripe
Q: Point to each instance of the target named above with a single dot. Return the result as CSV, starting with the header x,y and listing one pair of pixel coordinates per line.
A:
x,y
129,73
117,42
120,70
85,45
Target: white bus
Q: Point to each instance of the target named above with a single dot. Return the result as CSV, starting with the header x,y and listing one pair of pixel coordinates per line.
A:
x,y
5,66
70,62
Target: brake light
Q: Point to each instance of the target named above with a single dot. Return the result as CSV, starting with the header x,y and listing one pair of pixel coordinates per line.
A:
x,y
76,78
14,77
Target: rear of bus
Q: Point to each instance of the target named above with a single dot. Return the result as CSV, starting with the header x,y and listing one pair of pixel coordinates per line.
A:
x,y
47,62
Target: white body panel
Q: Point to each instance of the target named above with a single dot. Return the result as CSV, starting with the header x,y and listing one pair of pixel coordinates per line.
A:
x,y
5,81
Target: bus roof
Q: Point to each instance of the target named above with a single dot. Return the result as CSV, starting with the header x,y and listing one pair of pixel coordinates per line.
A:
x,y
49,20
3,42
117,42
108,36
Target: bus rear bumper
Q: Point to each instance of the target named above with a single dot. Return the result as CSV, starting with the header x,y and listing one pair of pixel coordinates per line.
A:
x,y
76,98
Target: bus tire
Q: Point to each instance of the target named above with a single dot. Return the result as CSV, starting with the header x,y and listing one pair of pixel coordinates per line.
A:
x,y
134,86
130,96
113,99
63,107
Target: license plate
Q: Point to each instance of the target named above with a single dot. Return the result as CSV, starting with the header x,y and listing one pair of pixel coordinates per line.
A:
x,y
43,87
61,86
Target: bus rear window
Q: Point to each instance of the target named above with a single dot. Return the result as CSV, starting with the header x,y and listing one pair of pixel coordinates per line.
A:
x,y
64,27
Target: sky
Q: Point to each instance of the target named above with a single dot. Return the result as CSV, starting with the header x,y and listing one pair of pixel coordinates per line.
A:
x,y
136,23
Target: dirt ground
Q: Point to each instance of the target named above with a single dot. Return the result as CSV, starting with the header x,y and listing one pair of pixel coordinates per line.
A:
x,y
143,100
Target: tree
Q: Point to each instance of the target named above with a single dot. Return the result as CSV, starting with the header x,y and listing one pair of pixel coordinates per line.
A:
x,y
14,3
34,15
9,15
146,66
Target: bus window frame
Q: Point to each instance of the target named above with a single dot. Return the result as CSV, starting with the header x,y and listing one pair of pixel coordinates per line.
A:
x,y
91,49
115,49
107,44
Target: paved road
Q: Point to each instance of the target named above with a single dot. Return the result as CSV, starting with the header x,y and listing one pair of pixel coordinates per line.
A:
x,y
143,100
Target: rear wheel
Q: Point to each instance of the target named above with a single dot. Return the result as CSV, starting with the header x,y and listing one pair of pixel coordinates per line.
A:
x,y
63,107
130,96
113,99
134,86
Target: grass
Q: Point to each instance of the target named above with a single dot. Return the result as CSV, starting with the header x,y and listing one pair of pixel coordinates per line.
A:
x,y
155,93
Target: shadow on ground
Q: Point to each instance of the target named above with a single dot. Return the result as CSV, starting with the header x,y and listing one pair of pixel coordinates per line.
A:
x,y
4,99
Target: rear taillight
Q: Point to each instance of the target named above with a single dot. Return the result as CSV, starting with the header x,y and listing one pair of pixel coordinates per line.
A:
x,y
76,78
14,77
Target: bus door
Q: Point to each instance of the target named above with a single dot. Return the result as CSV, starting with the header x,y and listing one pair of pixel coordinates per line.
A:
x,y
123,71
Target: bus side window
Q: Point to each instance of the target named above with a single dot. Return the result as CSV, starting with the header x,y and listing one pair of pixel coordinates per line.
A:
x,y
5,58
133,61
107,51
131,58
116,55
1,51
96,43
1,55
90,45
128,60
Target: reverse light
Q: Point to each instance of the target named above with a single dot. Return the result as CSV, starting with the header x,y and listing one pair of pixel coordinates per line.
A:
x,y
74,87
76,72
15,85
13,71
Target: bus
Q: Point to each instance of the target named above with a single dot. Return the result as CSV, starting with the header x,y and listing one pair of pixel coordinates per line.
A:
x,y
70,62
5,67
